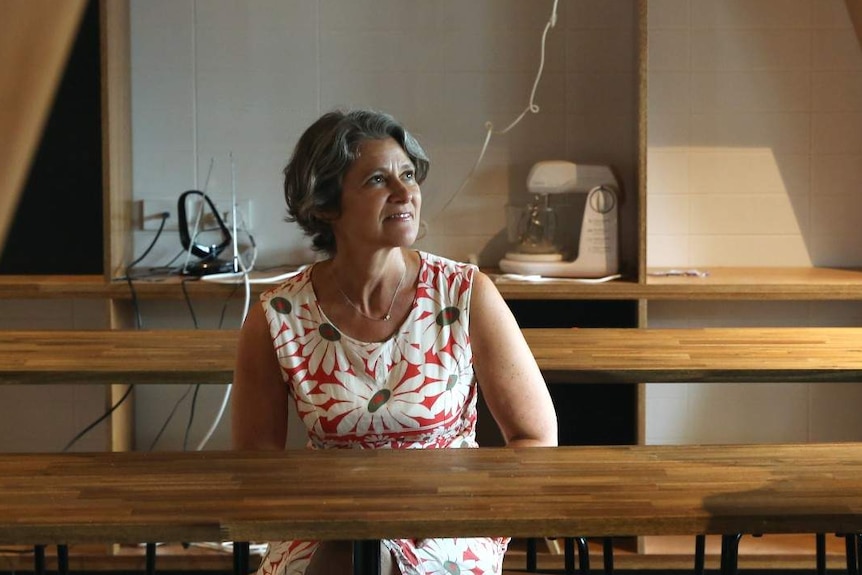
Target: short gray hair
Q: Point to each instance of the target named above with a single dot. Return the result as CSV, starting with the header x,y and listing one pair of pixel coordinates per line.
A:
x,y
313,176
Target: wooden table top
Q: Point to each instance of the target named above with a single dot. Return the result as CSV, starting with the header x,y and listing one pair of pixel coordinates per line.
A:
x,y
351,494
595,355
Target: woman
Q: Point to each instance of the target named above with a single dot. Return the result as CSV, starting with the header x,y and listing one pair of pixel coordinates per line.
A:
x,y
380,346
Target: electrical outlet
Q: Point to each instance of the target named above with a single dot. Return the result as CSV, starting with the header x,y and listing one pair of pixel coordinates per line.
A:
x,y
150,213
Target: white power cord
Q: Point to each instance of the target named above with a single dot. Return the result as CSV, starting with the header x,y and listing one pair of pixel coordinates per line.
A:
x,y
234,278
531,107
243,276
226,399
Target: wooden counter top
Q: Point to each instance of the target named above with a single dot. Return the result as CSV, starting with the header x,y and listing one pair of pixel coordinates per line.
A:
x,y
595,355
592,491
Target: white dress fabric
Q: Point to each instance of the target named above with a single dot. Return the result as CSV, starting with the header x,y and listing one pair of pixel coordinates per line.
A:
x,y
416,390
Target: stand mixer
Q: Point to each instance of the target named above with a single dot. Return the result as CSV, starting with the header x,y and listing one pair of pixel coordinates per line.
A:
x,y
535,231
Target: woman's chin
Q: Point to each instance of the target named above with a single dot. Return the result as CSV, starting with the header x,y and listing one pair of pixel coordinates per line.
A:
x,y
405,236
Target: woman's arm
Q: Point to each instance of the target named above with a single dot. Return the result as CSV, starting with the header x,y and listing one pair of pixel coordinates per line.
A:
x,y
510,380
259,394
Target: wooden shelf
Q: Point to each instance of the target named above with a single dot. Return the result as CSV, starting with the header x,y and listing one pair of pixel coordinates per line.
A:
x,y
53,287
761,283
620,289
721,283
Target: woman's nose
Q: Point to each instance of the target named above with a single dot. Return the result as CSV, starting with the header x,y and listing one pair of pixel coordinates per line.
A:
x,y
401,192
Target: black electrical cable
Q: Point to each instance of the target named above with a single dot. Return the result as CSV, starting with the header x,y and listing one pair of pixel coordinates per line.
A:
x,y
170,417
175,258
189,303
225,304
103,417
138,320
191,417
139,323
165,216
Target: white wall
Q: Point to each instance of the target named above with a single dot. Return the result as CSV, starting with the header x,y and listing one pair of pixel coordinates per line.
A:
x,y
754,159
216,76
219,76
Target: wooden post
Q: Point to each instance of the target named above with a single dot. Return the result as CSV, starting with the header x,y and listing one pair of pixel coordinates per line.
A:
x,y
35,39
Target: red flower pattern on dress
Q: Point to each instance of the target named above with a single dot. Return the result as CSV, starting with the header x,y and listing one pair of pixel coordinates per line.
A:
x,y
415,390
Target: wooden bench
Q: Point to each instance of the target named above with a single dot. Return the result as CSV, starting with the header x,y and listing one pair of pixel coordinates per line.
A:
x,y
368,495
599,355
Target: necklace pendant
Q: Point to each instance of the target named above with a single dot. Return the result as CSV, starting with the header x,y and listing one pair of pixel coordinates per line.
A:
x,y
358,310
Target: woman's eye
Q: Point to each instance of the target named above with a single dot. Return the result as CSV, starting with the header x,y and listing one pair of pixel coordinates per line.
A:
x,y
409,175
378,179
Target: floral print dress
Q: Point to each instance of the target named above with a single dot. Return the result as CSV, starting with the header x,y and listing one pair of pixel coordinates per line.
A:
x,y
416,390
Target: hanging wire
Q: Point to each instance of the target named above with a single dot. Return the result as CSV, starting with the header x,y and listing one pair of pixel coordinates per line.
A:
x,y
138,323
104,416
531,108
191,417
128,277
169,417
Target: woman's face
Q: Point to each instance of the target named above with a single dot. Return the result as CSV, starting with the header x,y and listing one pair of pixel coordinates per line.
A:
x,y
380,199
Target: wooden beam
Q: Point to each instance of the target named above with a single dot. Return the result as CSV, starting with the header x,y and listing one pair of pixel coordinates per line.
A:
x,y
35,39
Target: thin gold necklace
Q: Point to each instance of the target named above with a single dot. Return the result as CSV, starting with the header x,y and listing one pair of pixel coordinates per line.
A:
x,y
388,315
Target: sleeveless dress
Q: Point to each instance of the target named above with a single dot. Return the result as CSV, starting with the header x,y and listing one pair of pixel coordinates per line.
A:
x,y
416,390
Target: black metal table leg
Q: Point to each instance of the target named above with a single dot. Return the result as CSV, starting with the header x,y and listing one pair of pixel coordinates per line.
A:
x,y
150,549
63,559
699,554
820,553
730,554
724,559
569,555
608,555
583,554
850,549
366,557
39,560
240,557
532,555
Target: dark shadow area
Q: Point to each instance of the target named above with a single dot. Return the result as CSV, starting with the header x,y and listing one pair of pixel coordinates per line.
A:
x,y
57,228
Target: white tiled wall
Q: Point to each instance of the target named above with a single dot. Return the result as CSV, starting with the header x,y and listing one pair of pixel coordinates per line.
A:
x,y
219,76
754,159
755,133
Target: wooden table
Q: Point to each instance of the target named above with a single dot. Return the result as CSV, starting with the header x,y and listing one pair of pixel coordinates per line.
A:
x,y
361,495
595,355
